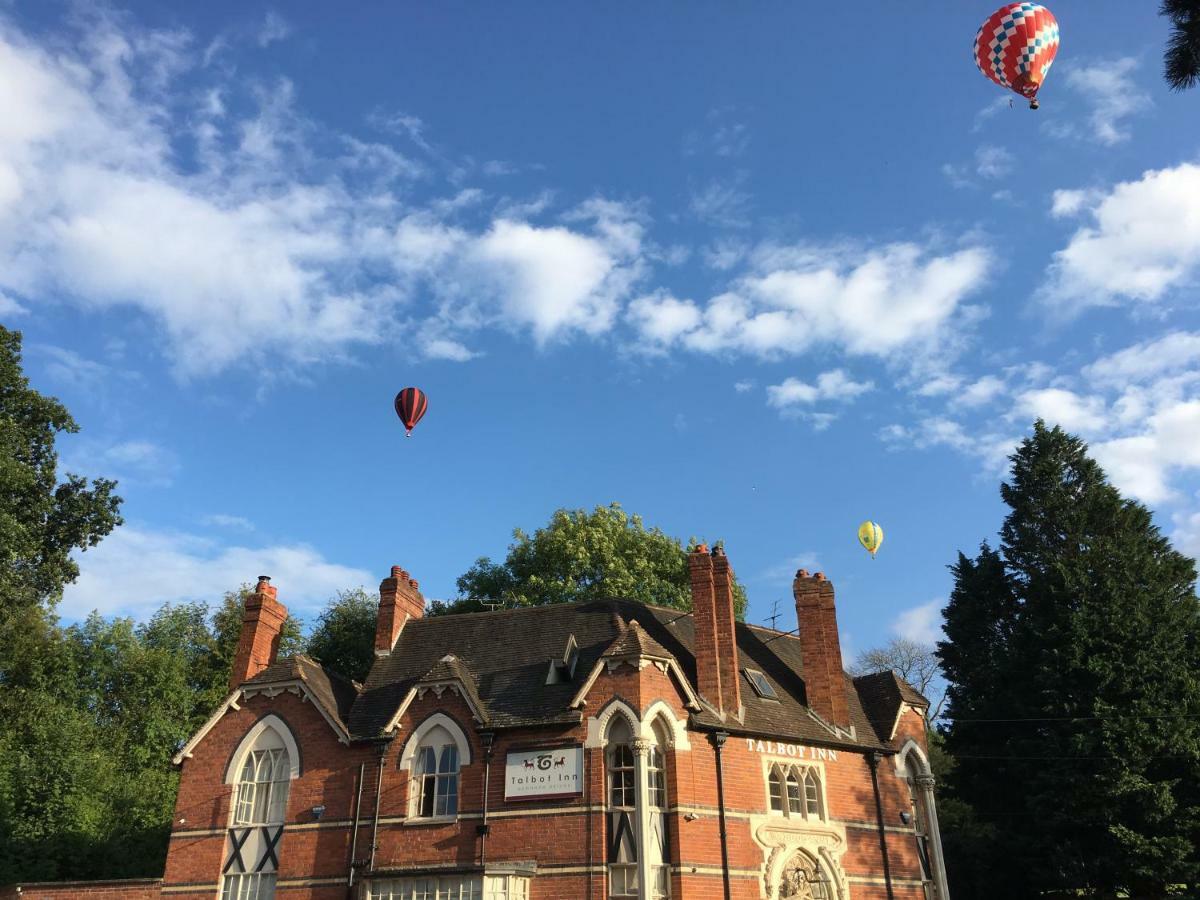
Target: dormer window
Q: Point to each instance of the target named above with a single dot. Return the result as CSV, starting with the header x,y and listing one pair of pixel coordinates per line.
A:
x,y
563,670
761,686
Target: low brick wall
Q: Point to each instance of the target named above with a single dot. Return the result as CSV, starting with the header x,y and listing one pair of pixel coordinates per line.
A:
x,y
126,889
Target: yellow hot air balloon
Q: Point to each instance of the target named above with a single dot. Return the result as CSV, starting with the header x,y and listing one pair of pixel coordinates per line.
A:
x,y
870,536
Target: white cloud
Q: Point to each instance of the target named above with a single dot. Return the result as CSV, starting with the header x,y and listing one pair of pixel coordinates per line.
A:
x,y
922,624
222,520
660,318
875,302
1175,351
134,571
722,203
1061,407
443,348
980,392
1067,203
743,386
992,162
1109,90
10,307
1142,241
274,28
130,462
832,385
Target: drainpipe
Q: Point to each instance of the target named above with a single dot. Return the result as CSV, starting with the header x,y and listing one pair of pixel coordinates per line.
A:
x,y
383,748
488,738
718,740
873,761
362,772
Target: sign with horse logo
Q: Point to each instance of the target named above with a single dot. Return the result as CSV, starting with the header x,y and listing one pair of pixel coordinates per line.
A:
x,y
536,774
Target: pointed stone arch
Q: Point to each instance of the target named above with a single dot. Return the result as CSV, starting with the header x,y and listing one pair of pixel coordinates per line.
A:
x,y
258,732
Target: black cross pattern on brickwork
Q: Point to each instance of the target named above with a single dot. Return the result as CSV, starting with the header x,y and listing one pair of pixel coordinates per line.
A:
x,y
235,852
270,843
621,837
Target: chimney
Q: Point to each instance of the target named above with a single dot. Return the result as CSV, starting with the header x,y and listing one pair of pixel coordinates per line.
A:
x,y
399,601
262,620
715,645
824,677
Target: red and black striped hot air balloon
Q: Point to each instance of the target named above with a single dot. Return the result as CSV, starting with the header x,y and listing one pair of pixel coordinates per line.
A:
x,y
411,404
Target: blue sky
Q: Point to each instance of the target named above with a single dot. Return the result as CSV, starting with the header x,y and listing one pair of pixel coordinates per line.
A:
x,y
753,273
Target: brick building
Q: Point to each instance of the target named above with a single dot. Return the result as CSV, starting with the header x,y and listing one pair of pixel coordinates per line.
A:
x,y
583,751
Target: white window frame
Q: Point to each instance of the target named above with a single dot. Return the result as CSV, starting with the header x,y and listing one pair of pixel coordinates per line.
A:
x,y
787,772
410,759
248,886
450,887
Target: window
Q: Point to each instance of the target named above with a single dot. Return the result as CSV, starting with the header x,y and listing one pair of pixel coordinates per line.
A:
x,y
919,815
262,788
761,686
623,880
435,776
452,887
656,778
248,887
775,789
622,774
795,791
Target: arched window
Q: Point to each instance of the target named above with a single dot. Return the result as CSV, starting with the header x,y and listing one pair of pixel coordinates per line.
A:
x,y
775,789
435,775
802,879
920,814
657,843
622,804
795,791
259,809
262,786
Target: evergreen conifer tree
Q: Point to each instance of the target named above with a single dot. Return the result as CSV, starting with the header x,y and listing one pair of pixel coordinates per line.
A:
x,y
1074,687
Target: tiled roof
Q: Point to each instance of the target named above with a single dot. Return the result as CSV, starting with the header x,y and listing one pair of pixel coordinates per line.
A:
x,y
506,653
634,641
335,693
882,694
452,669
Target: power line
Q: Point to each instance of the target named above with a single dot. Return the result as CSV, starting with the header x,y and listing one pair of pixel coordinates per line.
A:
x,y
1147,716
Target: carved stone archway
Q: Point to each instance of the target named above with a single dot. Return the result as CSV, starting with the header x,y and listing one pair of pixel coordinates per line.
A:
x,y
802,879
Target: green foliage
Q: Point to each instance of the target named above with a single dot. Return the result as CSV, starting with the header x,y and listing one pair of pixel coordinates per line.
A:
x,y
41,520
606,553
344,637
90,716
1083,628
1181,61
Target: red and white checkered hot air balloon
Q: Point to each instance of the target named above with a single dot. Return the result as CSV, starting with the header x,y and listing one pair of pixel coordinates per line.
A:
x,y
1016,46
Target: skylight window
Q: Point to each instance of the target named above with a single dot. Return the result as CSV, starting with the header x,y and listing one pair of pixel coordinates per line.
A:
x,y
761,686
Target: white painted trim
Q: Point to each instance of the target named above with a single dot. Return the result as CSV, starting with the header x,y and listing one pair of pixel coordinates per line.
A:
x,y
580,698
659,709
281,728
901,759
418,735
900,715
297,686
394,721
186,752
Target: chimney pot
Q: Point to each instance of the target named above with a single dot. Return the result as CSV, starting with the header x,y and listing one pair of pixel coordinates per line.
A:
x,y
802,573
262,621
820,648
701,548
399,600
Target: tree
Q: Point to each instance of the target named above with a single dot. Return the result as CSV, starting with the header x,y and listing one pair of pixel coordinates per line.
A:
x,y
1181,62
41,520
1074,705
913,661
344,637
578,555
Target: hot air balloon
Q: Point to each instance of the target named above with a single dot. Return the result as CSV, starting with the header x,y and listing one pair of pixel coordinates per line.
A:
x,y
1016,46
870,536
411,404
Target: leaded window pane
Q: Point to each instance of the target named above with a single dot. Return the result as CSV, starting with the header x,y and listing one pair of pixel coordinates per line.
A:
x,y
775,790
250,886
622,778
262,791
793,793
623,881
657,779
812,795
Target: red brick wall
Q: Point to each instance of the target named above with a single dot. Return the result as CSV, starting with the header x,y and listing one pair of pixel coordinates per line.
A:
x,y
134,889
565,837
